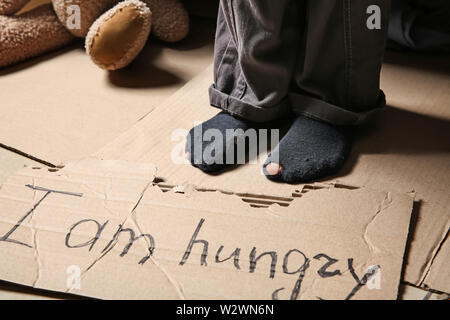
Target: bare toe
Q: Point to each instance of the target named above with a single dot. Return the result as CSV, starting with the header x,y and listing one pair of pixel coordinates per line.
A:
x,y
273,169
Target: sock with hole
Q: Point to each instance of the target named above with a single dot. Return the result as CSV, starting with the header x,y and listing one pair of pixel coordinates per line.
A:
x,y
310,150
210,154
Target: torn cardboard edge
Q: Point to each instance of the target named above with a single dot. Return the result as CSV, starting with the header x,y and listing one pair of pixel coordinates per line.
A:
x,y
411,292
28,156
438,267
304,250
432,275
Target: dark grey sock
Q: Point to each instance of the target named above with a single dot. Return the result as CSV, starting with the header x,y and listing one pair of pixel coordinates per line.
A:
x,y
310,150
196,145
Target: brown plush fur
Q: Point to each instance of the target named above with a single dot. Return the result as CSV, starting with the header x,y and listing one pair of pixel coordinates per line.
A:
x,y
8,7
31,34
170,20
117,37
35,32
90,11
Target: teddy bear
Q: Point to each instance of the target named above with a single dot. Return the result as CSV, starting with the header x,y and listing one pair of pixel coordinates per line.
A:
x,y
114,31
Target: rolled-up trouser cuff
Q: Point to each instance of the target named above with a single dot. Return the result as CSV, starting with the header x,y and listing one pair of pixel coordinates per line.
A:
x,y
324,111
242,109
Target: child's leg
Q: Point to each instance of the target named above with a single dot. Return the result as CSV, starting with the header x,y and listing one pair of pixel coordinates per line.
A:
x,y
256,47
337,83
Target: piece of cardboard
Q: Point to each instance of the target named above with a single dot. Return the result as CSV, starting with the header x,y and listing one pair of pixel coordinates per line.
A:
x,y
62,107
406,150
11,162
409,292
438,275
70,230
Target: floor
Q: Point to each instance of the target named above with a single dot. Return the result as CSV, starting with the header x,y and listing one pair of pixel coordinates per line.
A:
x,y
11,160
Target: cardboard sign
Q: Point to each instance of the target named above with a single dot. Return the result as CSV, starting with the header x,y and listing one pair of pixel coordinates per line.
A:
x,y
60,107
104,229
390,154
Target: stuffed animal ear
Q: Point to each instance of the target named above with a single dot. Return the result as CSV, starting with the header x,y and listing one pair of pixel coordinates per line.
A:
x,y
8,7
78,15
117,37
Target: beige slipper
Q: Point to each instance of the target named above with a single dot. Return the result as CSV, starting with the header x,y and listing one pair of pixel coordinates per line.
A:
x,y
117,37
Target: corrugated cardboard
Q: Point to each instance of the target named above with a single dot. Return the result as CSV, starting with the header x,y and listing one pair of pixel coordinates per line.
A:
x,y
404,151
70,231
62,107
409,292
11,162
438,276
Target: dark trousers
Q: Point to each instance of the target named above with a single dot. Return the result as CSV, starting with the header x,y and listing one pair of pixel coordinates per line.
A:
x,y
319,58
421,25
